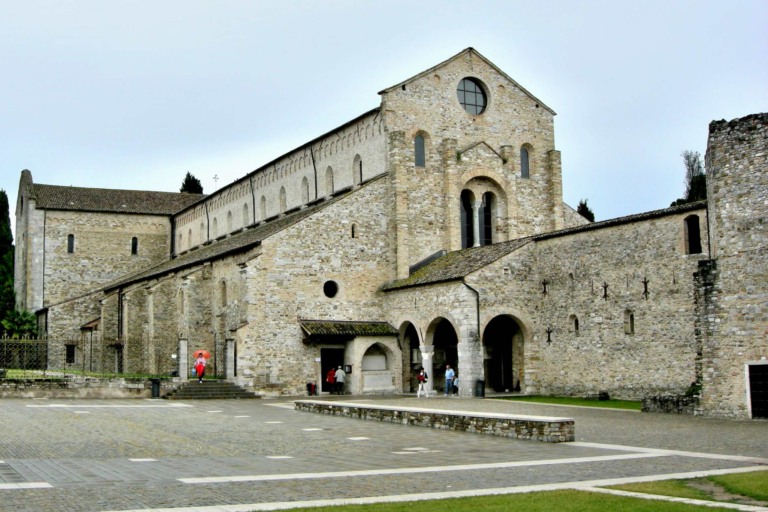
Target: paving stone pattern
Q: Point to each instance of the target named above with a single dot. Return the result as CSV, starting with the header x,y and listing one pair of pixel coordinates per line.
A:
x,y
132,454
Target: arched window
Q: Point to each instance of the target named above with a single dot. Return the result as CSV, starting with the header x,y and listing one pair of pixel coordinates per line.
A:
x,y
329,181
524,163
283,200
202,233
214,228
70,244
487,211
134,246
629,321
573,320
304,191
189,237
178,248
357,170
692,235
467,231
263,208
419,154
229,222
374,359
246,219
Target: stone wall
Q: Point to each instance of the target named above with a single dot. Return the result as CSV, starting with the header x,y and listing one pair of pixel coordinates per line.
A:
x,y
735,314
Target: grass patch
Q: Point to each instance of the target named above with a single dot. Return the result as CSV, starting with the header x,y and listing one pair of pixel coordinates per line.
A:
x,y
562,501
732,487
630,405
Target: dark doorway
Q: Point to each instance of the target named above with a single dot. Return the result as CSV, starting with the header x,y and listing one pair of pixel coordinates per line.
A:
x,y
503,343
758,389
330,358
445,342
411,359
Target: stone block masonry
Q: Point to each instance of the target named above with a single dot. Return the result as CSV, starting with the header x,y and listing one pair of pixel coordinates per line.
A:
x,y
535,428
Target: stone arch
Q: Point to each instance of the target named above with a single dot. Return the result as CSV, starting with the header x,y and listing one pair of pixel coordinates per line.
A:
x,y
378,367
412,358
443,336
484,196
504,354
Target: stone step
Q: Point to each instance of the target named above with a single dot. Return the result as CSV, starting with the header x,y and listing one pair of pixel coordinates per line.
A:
x,y
210,390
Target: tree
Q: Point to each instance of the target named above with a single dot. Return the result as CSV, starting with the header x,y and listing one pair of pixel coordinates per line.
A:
x,y
20,324
7,296
585,211
695,179
191,184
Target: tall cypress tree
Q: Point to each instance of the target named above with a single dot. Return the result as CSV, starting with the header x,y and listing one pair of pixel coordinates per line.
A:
x,y
7,297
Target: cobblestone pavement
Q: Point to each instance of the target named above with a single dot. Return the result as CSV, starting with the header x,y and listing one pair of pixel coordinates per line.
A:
x,y
99,455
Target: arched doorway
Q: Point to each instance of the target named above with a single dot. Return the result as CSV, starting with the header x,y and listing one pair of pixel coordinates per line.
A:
x,y
409,347
503,354
445,341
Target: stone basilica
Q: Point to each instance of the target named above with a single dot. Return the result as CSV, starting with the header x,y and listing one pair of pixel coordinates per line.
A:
x,y
427,231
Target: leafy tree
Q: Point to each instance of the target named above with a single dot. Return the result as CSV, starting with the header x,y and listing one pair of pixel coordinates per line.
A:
x,y
585,211
695,179
191,184
19,324
7,296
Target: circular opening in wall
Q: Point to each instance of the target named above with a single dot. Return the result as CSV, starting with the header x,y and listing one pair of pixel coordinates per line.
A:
x,y
472,96
330,289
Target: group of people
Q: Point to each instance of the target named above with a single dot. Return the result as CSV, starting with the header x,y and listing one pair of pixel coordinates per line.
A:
x,y
335,379
451,382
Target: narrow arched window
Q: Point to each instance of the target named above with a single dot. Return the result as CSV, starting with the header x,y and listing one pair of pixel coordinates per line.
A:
x,y
215,228
357,170
629,322
134,246
486,218
189,237
329,181
263,208
70,244
283,200
353,231
524,163
574,321
223,293
304,191
692,235
202,233
467,231
229,222
419,154
246,219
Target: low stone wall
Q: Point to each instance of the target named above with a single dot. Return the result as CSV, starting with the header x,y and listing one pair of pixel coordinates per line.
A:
x,y
82,388
674,404
537,428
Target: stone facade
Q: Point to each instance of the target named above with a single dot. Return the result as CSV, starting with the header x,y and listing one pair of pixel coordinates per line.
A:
x,y
445,223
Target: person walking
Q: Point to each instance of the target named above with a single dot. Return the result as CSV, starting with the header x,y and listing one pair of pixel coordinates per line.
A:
x,y
330,379
422,377
340,375
449,374
456,385
200,367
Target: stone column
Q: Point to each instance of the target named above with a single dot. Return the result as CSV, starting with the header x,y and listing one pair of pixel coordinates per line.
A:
x,y
427,352
183,359
229,362
476,222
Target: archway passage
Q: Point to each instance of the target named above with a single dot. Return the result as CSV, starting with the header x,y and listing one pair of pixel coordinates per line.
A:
x,y
503,347
445,341
409,347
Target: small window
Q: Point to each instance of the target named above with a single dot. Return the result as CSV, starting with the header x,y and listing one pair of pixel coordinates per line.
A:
x,y
418,151
134,246
524,169
229,222
283,200
304,191
70,244
353,231
330,289
357,170
574,321
472,96
246,218
692,235
263,208
329,181
223,292
70,354
629,322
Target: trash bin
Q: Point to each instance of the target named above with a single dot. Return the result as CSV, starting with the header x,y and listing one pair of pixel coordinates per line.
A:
x,y
155,388
480,389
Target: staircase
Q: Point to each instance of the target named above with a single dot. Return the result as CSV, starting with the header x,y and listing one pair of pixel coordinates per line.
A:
x,y
210,390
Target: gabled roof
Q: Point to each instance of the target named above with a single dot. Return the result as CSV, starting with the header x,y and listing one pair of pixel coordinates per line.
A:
x,y
459,264
317,328
54,197
469,50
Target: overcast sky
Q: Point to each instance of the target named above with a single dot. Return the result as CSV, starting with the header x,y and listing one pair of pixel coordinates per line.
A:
x,y
133,94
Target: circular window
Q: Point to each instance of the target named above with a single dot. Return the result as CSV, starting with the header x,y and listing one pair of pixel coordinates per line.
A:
x,y
472,96
330,289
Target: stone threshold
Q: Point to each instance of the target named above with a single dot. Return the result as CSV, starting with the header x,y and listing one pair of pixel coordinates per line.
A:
x,y
518,426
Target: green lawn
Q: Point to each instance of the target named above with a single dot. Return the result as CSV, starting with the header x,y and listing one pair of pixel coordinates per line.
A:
x,y
631,405
749,485
561,501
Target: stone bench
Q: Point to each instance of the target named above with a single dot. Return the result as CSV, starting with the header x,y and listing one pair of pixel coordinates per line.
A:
x,y
518,426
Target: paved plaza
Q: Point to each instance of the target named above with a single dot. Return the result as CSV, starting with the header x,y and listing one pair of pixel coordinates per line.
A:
x,y
242,455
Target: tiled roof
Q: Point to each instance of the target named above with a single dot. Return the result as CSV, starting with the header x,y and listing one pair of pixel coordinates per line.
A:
x,y
55,197
458,264
344,328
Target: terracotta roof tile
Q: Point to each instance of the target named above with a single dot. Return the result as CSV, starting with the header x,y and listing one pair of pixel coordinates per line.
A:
x,y
55,197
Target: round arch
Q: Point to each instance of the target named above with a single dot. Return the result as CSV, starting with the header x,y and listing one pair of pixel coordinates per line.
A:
x,y
409,348
443,337
504,353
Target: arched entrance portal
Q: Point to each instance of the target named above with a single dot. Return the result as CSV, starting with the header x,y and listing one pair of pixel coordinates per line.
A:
x,y
445,341
409,348
503,359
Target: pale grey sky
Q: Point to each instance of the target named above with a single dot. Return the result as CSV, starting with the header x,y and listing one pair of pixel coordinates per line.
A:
x,y
133,94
